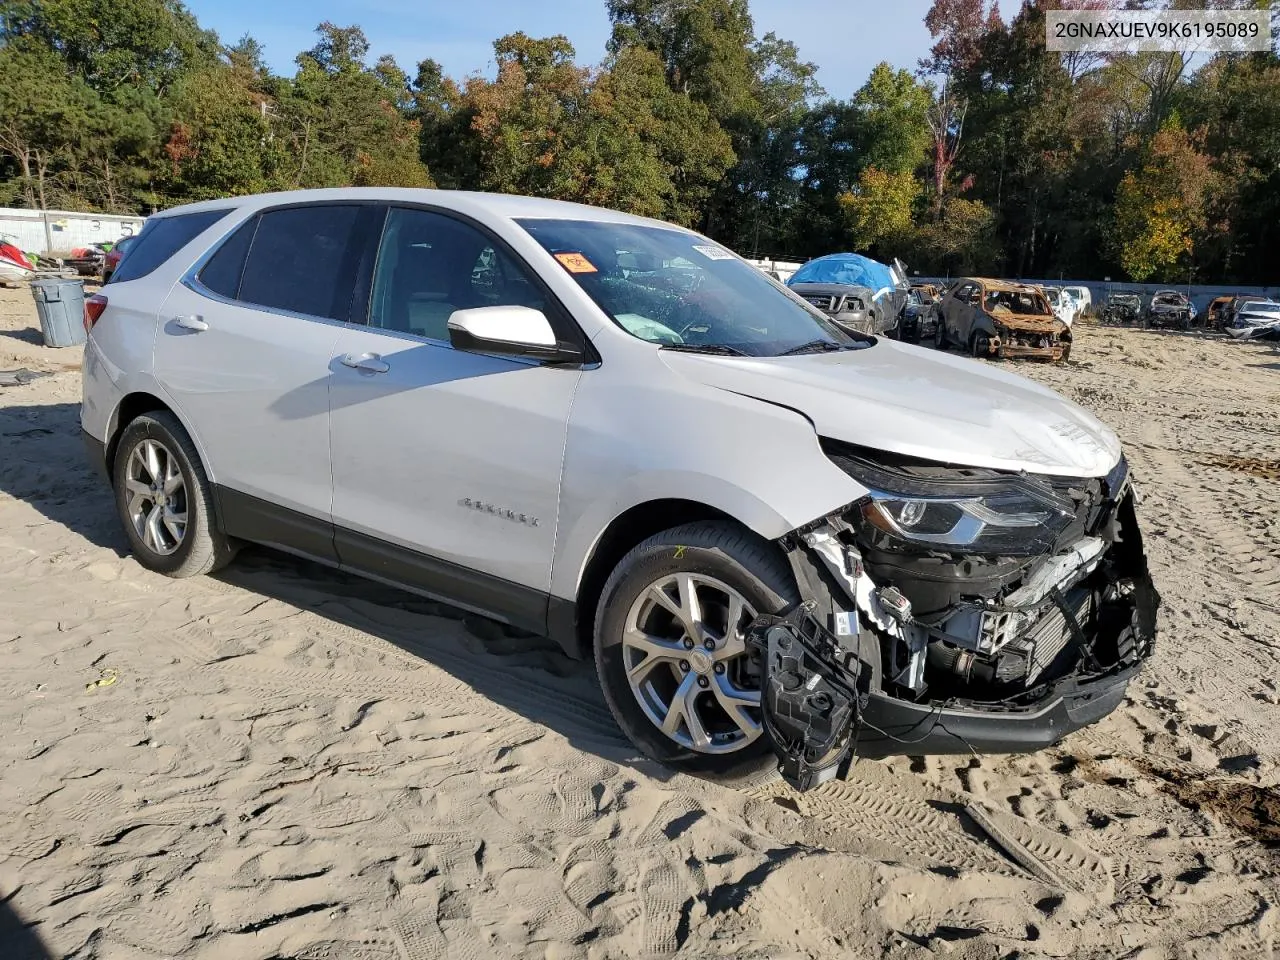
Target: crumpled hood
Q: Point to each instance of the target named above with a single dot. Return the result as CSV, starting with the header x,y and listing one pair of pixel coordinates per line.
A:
x,y
1027,323
921,403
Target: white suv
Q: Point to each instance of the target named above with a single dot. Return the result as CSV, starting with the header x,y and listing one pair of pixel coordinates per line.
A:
x,y
769,532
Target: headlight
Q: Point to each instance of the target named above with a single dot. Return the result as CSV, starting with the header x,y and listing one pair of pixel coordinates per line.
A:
x,y
1010,522
970,510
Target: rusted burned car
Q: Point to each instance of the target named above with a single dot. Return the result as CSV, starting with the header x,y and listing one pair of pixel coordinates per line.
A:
x,y
995,318
1219,312
1123,308
1169,308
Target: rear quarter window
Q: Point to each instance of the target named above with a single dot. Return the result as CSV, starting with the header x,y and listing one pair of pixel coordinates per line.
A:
x,y
160,239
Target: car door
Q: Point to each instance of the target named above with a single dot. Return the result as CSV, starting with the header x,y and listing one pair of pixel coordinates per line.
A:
x,y
446,463
244,352
956,315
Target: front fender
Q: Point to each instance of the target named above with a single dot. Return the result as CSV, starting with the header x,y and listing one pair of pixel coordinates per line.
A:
x,y
751,460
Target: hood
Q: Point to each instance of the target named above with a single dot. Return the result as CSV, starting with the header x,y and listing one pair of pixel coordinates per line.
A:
x,y
1029,323
921,403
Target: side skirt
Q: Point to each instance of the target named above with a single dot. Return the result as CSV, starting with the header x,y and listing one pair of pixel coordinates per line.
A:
x,y
259,521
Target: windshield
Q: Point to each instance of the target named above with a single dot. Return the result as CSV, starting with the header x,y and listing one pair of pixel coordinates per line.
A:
x,y
1259,306
1015,301
672,289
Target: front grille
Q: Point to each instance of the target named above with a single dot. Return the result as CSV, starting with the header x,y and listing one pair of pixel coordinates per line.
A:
x,y
822,303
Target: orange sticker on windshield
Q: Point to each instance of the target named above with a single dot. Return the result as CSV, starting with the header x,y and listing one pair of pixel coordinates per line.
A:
x,y
576,263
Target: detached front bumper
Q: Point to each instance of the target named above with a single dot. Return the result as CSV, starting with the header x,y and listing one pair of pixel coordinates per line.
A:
x,y
891,727
1008,666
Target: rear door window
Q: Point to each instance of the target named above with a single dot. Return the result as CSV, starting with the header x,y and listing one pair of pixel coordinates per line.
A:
x,y
160,239
303,260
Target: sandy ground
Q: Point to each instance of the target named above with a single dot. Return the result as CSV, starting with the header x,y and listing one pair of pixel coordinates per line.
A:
x,y
293,763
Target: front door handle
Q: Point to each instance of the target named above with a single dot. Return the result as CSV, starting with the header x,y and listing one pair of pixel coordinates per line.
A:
x,y
368,362
191,323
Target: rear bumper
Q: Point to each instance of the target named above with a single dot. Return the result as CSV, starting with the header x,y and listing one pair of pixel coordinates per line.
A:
x,y
896,728
96,452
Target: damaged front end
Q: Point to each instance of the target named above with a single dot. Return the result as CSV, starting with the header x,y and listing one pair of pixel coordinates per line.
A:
x,y
954,610
1030,337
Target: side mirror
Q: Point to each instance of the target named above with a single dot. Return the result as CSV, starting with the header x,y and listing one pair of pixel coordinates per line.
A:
x,y
508,331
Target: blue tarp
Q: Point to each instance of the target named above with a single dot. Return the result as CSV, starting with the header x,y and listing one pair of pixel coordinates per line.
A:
x,y
847,268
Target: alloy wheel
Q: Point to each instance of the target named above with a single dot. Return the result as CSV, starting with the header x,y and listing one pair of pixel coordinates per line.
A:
x,y
157,496
685,654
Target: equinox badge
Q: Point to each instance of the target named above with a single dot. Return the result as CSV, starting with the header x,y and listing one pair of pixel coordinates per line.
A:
x,y
494,510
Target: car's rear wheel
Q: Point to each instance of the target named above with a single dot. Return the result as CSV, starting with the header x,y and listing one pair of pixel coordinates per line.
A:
x,y
670,646
164,499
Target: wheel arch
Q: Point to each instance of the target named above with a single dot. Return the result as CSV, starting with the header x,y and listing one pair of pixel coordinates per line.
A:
x,y
134,405
572,623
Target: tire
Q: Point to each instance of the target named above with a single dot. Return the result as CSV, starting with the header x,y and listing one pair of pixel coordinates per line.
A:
x,y
716,551
201,548
979,345
939,335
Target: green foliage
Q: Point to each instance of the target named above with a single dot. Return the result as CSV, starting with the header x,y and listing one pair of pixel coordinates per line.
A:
x,y
880,210
1160,208
1037,164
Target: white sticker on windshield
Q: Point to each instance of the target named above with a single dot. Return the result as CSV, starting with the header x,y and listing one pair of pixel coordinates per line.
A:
x,y
712,253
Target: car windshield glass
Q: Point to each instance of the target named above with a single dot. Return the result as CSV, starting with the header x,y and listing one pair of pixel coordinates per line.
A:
x,y
1260,306
674,289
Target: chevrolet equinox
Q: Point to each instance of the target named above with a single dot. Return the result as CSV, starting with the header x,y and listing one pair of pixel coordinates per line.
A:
x,y
770,533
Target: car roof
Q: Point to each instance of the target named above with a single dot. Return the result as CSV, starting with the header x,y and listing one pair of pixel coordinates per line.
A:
x,y
508,206
1002,286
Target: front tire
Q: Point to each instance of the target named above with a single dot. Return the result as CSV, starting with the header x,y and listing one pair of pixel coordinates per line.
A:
x,y
164,499
670,653
939,335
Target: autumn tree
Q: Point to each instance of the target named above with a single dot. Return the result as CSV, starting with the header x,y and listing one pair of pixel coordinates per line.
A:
x,y
343,119
1160,208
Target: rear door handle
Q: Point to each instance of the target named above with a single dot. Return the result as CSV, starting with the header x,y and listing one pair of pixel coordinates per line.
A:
x,y
191,323
368,362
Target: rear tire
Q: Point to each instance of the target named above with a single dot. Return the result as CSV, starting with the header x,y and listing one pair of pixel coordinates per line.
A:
x,y
158,478
711,555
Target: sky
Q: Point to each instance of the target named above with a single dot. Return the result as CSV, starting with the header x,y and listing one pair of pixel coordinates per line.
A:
x,y
845,38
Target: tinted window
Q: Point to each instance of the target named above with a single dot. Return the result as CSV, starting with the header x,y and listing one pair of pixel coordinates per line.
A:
x,y
222,273
301,260
430,265
160,239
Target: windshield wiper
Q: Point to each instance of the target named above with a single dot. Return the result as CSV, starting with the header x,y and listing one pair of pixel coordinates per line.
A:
x,y
816,346
720,349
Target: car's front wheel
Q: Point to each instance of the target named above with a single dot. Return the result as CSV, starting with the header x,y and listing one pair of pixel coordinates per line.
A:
x,y
164,499
670,646
939,335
